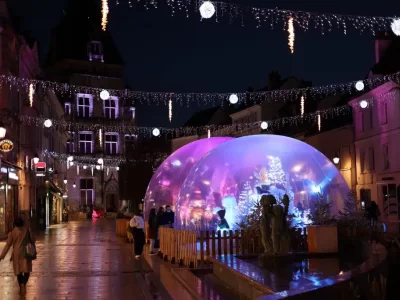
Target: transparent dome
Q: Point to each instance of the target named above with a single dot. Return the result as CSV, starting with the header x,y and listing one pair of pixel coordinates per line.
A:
x,y
223,187
166,182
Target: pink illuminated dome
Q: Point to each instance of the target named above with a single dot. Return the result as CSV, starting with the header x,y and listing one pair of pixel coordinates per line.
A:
x,y
223,187
166,182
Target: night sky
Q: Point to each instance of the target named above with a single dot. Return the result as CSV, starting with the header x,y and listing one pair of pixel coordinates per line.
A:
x,y
179,54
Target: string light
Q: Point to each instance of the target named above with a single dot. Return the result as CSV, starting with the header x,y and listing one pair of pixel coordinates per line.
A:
x,y
112,162
264,125
302,106
31,94
291,36
207,98
233,99
208,133
273,18
170,110
363,103
319,121
188,130
359,85
104,11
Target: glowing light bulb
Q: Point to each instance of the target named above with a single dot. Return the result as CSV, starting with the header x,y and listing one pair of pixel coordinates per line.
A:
x,y
360,85
396,26
208,133
207,9
363,103
156,132
302,106
104,95
48,123
291,36
233,99
100,138
264,125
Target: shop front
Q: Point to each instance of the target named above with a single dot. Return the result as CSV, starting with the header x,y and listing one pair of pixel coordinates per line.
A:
x,y
50,204
8,196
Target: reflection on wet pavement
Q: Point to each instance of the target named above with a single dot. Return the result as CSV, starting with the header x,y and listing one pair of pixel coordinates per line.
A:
x,y
81,260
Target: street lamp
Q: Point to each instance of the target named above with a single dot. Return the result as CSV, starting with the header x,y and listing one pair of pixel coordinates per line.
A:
x,y
3,131
74,185
36,159
65,180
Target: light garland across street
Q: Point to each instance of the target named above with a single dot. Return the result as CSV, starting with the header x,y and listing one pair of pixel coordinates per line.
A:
x,y
211,130
272,17
187,99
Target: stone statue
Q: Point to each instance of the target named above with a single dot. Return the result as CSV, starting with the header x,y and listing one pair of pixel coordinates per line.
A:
x,y
267,202
274,226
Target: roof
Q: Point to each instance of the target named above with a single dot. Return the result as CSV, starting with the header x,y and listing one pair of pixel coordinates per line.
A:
x,y
80,25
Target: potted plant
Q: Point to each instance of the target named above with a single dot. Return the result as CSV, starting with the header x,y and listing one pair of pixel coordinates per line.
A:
x,y
322,235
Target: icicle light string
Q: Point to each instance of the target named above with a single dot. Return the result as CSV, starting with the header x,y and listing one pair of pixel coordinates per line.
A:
x,y
77,126
104,14
272,18
66,90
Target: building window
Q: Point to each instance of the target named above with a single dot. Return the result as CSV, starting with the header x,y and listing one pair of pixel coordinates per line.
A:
x,y
87,191
85,142
362,161
111,108
386,157
111,143
371,159
383,112
84,105
67,109
71,143
95,51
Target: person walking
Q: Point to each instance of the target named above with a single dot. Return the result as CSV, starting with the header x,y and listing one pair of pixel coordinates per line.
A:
x,y
22,265
153,230
373,213
137,225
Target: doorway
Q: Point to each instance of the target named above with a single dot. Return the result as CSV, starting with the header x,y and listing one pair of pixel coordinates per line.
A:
x,y
390,193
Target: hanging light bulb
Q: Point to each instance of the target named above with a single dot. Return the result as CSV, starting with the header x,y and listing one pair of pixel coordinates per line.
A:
x,y
48,123
363,103
319,122
117,168
170,110
291,36
233,99
74,185
396,26
98,167
207,9
84,167
302,106
104,12
100,161
156,132
360,85
104,95
65,180
264,125
31,93
100,138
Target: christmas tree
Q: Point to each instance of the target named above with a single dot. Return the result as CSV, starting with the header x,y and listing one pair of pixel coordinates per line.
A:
x,y
276,175
245,203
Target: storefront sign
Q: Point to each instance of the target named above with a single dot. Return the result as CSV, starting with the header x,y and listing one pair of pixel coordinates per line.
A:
x,y
6,145
40,167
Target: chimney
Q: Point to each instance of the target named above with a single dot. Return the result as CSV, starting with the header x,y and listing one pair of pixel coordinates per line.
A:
x,y
382,43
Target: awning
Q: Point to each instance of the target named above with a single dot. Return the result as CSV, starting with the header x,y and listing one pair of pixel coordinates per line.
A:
x,y
8,164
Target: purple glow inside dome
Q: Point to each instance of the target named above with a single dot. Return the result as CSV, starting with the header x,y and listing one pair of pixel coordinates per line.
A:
x,y
166,182
222,188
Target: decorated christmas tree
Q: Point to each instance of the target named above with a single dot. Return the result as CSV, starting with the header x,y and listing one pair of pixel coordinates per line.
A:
x,y
245,203
276,175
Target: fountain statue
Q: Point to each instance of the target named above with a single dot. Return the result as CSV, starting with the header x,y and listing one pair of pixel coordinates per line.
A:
x,y
273,226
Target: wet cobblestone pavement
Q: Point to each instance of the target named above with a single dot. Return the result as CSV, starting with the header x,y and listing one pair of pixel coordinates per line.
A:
x,y
80,260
